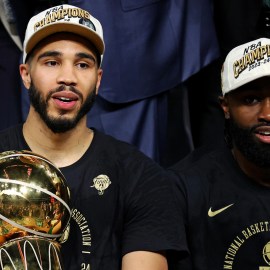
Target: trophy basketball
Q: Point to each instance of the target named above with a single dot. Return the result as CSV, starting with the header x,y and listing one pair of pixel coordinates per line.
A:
x,y
34,212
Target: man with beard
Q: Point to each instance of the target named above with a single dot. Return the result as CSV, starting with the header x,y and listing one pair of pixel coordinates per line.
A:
x,y
124,215
225,193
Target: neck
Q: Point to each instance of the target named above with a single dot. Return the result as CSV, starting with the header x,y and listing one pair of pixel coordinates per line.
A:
x,y
258,174
62,149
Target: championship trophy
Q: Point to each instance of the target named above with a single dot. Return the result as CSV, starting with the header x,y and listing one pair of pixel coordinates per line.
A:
x,y
34,212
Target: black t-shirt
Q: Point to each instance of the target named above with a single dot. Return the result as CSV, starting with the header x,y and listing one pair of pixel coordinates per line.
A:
x,y
227,215
122,202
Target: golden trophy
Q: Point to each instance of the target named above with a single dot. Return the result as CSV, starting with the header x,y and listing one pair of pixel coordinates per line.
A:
x,y
34,212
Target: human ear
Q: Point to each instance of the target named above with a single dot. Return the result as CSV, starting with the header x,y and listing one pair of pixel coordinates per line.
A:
x,y
99,76
224,105
25,75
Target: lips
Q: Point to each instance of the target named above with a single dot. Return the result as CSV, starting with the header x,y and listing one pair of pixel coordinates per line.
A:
x,y
263,134
65,100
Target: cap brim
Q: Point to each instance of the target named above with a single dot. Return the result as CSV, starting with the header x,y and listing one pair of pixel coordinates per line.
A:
x,y
81,30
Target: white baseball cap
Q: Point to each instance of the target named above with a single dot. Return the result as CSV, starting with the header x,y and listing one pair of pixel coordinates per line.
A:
x,y
245,63
63,18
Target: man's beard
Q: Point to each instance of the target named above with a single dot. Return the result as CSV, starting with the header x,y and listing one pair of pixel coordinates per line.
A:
x,y
59,124
246,142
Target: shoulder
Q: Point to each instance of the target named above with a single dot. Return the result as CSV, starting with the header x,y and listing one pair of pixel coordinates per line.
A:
x,y
200,170
203,159
132,168
126,162
120,150
110,140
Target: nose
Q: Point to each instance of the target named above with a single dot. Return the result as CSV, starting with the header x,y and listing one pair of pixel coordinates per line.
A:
x,y
264,114
67,75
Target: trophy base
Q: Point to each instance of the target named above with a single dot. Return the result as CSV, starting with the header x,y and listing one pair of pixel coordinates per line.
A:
x,y
30,252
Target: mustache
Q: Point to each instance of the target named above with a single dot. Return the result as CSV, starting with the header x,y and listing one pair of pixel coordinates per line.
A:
x,y
265,124
65,88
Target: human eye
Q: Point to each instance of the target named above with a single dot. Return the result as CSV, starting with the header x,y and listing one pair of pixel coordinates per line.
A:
x,y
251,100
51,63
82,65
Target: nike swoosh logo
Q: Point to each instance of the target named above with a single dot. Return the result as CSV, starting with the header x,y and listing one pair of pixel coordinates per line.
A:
x,y
214,213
